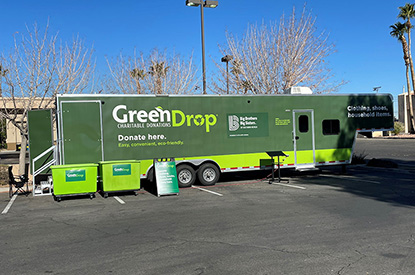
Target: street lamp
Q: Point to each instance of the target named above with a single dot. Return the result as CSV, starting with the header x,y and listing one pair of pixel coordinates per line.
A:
x,y
202,4
226,59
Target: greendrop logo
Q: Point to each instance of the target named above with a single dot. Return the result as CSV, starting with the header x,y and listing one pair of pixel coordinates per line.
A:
x,y
160,118
121,169
75,175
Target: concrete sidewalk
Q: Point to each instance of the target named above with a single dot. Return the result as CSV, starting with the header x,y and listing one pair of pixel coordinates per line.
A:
x,y
4,189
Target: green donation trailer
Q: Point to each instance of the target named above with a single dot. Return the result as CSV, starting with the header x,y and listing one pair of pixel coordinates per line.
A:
x,y
212,134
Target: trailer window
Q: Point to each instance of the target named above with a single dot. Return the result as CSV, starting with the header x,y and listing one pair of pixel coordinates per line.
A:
x,y
331,127
303,124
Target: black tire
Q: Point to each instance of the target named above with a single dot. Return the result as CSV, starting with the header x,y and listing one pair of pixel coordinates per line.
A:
x,y
186,176
105,195
150,175
10,191
208,174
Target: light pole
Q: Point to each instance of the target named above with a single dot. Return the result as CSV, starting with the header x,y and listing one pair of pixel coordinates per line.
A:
x,y
226,59
202,4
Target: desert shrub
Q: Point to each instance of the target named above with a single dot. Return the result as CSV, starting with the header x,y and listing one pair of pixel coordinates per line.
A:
x,y
399,128
359,158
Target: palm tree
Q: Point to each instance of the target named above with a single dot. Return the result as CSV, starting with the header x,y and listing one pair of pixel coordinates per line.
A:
x,y
398,31
137,75
158,71
406,13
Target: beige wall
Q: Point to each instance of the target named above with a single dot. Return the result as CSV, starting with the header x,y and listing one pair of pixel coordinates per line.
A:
x,y
13,136
12,133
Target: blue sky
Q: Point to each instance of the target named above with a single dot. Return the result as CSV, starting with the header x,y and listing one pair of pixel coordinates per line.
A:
x,y
367,56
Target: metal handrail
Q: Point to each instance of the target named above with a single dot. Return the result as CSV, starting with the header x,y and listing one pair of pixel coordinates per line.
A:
x,y
47,165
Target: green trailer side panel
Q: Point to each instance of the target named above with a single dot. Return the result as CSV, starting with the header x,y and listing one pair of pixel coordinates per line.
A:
x,y
147,127
81,128
40,136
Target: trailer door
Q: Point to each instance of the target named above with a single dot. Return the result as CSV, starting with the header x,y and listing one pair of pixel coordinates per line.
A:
x,y
303,134
40,137
81,132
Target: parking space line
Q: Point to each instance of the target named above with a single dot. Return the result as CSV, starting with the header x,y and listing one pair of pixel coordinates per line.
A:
x,y
9,204
350,178
119,200
215,193
289,185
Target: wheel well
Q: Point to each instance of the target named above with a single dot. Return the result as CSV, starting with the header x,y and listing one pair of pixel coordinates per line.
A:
x,y
195,167
195,164
150,172
211,162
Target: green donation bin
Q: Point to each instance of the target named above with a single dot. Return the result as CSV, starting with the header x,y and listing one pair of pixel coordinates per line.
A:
x,y
74,179
119,176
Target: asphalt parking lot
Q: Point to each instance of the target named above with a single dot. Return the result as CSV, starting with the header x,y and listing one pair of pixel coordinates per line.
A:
x,y
361,222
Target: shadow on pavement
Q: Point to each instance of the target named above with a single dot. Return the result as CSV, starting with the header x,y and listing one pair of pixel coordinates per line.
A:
x,y
379,182
391,185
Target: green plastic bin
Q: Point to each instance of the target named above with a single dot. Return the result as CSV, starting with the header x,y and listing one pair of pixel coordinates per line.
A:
x,y
74,179
119,176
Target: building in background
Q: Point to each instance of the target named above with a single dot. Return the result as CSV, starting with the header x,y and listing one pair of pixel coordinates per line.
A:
x,y
16,106
403,111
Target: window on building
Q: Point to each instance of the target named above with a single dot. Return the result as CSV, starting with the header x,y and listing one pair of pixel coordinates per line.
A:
x,y
331,127
303,124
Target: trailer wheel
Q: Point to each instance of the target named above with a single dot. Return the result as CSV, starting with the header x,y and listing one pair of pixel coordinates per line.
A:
x,y
208,174
186,175
150,175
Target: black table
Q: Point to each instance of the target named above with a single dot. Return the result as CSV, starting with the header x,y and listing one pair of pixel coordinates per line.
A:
x,y
277,154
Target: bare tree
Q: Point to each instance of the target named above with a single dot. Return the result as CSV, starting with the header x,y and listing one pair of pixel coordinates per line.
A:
x,y
38,68
271,58
3,73
126,76
156,73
